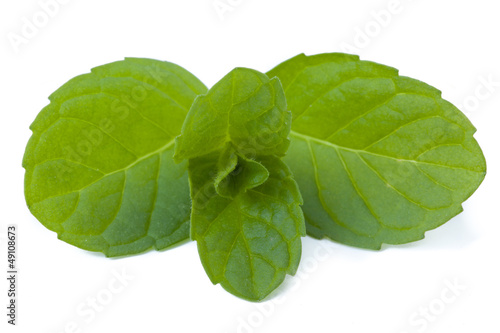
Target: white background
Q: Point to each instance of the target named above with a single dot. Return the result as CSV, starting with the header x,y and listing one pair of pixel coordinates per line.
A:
x,y
452,45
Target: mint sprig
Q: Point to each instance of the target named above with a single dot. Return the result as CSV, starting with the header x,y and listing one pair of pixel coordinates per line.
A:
x,y
138,154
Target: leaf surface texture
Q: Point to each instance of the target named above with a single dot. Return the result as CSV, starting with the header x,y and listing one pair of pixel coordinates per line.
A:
x,y
379,157
99,166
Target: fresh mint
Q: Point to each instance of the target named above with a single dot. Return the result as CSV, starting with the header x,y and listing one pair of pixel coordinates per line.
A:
x,y
245,109
245,215
138,154
99,167
379,158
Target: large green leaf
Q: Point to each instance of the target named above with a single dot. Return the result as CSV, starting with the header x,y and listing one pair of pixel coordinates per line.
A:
x,y
379,158
99,167
245,216
250,242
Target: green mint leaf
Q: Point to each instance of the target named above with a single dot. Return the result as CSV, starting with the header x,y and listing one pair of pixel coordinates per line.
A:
x,y
246,215
379,158
249,243
237,174
99,166
245,109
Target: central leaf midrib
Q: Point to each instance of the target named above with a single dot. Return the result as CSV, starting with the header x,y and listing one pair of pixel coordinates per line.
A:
x,y
128,167
360,151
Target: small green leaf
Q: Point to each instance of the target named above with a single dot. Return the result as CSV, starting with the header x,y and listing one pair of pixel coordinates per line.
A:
x,y
253,117
246,215
237,173
379,158
99,167
249,243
